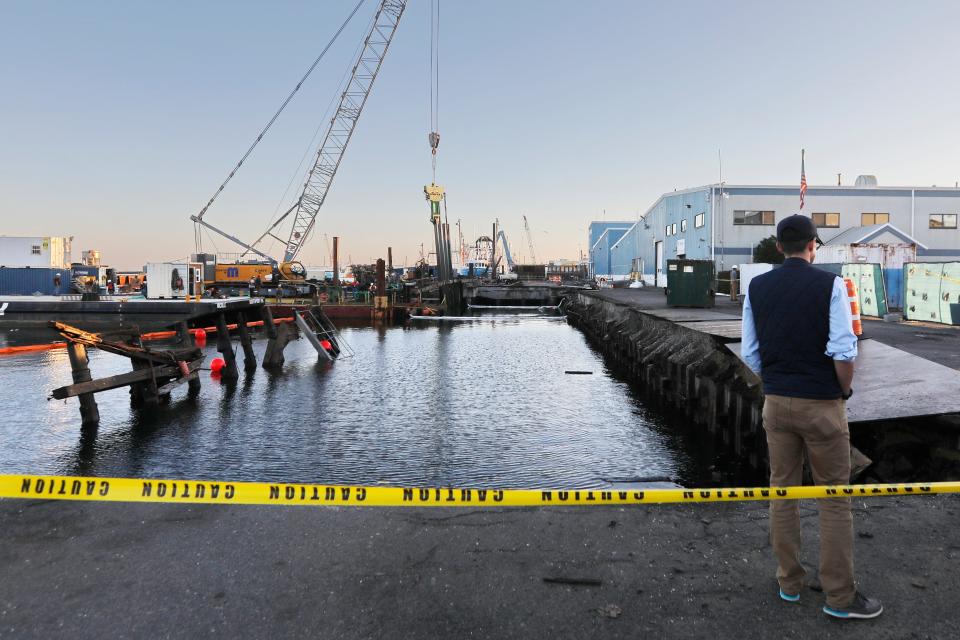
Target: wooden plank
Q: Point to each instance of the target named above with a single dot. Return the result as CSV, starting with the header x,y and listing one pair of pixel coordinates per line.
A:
x,y
110,382
173,384
121,380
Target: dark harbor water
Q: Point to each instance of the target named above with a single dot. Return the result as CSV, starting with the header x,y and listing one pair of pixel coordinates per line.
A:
x,y
472,404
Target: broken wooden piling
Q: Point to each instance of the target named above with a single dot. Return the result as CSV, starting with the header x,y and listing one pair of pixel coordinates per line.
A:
x,y
80,365
249,357
155,372
278,337
225,347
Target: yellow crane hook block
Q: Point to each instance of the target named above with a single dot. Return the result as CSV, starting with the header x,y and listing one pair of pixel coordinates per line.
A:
x,y
434,193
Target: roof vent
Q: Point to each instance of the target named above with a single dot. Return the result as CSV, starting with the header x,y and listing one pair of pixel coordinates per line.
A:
x,y
866,181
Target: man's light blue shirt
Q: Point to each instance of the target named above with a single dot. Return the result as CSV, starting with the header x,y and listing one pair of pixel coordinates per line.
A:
x,y
842,342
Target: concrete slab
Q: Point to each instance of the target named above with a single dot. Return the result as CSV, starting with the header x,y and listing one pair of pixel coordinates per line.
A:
x,y
652,298
724,329
891,384
686,315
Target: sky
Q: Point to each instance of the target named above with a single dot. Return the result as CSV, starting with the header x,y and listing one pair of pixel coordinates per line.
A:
x,y
118,120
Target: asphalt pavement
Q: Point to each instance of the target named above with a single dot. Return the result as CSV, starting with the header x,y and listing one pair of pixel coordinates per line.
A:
x,y
99,570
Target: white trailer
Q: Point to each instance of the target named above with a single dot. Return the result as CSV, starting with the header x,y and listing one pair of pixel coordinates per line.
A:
x,y
172,280
50,252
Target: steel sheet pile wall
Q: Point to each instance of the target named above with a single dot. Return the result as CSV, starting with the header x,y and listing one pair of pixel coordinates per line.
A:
x,y
870,288
932,292
689,370
871,285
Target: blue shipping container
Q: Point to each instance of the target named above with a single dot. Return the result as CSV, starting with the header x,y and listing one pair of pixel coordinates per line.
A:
x,y
26,281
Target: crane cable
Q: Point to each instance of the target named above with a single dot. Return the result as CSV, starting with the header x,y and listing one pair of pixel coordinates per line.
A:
x,y
276,115
434,136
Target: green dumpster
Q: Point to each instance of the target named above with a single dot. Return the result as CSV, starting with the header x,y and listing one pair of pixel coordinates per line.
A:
x,y
691,283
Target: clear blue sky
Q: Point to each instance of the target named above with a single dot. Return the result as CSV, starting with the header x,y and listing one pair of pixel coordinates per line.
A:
x,y
119,119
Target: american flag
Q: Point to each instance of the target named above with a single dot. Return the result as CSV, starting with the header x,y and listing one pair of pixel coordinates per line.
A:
x,y
803,179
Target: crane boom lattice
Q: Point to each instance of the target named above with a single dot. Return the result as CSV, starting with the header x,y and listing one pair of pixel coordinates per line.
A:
x,y
526,226
343,123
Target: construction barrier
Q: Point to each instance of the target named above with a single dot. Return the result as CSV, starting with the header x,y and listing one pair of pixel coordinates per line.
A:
x,y
263,493
854,306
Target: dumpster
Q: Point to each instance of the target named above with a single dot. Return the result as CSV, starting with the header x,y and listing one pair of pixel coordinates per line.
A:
x,y
691,283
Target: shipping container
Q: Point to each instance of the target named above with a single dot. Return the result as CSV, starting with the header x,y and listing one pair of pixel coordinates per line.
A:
x,y
169,280
45,252
27,281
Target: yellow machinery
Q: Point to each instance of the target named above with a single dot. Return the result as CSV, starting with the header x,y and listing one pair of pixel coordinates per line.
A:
x,y
240,274
292,271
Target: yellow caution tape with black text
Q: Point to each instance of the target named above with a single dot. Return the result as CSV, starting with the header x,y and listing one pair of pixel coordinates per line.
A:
x,y
215,492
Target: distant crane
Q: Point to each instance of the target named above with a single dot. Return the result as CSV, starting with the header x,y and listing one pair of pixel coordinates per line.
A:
x,y
341,127
526,226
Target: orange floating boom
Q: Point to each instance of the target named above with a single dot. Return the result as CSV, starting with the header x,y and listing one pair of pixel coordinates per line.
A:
x,y
155,335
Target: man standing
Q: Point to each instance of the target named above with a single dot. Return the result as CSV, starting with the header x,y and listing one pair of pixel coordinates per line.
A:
x,y
797,335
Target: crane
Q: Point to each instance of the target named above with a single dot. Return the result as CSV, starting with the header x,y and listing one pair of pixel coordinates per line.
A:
x,y
502,237
330,154
526,226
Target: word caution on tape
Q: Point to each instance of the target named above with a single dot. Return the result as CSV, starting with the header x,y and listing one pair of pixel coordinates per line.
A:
x,y
213,492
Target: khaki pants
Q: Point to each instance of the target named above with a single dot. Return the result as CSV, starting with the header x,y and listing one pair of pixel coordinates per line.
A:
x,y
817,428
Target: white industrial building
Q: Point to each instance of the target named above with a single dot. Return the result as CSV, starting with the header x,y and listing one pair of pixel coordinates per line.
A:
x,y
725,222
51,252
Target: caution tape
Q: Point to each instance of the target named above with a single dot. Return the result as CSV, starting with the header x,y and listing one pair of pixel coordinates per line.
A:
x,y
263,493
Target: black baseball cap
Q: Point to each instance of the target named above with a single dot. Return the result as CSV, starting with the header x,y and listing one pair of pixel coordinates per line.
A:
x,y
797,228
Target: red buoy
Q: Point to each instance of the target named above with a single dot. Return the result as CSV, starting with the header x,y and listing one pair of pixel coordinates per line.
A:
x,y
326,344
199,337
217,365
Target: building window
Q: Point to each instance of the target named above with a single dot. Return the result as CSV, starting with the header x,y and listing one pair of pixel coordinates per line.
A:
x,y
874,218
683,225
35,250
666,231
699,220
753,217
827,220
673,229
943,221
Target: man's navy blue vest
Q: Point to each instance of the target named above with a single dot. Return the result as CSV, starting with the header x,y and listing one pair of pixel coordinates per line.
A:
x,y
791,310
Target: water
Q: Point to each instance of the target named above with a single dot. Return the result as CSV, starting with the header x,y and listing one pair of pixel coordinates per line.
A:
x,y
449,404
